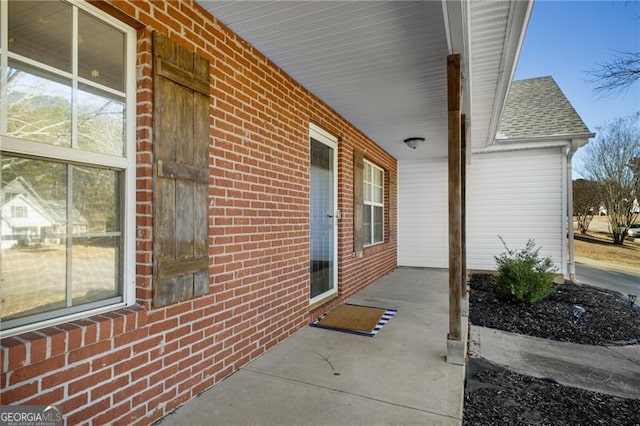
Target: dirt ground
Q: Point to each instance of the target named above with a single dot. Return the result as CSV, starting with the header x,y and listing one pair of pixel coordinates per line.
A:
x,y
597,245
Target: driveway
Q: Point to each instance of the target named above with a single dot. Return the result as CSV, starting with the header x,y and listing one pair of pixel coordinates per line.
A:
x,y
606,275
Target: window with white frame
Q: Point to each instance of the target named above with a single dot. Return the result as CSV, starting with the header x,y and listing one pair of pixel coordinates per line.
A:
x,y
373,204
67,138
19,211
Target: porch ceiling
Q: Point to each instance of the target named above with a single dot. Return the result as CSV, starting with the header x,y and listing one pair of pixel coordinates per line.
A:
x,y
380,64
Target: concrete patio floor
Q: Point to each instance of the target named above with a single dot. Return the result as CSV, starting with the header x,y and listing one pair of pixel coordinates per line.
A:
x,y
323,377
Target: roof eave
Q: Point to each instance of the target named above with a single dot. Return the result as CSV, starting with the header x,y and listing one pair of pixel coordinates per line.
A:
x,y
567,137
519,16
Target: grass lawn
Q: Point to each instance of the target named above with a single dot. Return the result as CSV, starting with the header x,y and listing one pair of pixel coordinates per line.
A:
x,y
598,246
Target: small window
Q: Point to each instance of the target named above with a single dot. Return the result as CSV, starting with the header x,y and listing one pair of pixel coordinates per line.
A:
x,y
18,212
373,204
67,132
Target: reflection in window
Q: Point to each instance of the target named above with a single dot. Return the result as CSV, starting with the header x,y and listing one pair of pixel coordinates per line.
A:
x,y
62,228
39,106
41,31
100,122
100,52
33,250
96,199
96,265
85,236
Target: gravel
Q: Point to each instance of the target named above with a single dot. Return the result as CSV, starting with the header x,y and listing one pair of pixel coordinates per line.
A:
x,y
497,396
608,317
583,314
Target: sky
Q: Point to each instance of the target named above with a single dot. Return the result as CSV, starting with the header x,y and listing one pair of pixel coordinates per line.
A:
x,y
566,39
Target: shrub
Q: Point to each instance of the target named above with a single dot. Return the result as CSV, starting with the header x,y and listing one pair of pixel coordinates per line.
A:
x,y
524,274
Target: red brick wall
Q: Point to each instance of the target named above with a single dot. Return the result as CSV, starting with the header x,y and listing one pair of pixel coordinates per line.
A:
x,y
137,365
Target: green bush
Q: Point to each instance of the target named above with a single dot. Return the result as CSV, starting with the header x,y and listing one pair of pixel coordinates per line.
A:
x,y
524,274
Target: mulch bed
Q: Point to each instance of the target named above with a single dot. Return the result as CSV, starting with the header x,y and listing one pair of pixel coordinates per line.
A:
x,y
608,319
495,395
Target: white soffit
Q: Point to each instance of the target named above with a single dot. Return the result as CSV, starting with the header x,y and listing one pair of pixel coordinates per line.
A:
x,y
497,31
382,64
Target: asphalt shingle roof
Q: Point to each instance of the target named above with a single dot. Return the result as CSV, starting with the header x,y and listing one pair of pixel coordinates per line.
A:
x,y
536,108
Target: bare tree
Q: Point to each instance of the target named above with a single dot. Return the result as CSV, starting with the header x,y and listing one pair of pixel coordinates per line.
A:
x,y
610,162
618,74
586,202
635,168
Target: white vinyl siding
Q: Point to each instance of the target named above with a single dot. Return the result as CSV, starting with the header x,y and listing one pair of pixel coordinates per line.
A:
x,y
422,213
517,195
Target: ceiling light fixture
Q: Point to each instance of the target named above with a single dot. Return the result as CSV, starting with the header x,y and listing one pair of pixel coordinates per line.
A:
x,y
413,142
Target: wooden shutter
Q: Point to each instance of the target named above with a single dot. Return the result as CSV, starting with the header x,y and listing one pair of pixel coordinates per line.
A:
x,y
181,172
358,202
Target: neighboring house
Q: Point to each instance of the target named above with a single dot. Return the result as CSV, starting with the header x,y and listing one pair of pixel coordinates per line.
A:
x,y
635,208
517,187
28,219
248,161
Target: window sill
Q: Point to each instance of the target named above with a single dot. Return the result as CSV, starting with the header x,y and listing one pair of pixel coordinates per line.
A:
x,y
373,245
323,301
374,248
31,347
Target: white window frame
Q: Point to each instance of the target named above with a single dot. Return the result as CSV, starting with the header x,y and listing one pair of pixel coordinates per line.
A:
x,y
369,204
323,136
125,164
18,211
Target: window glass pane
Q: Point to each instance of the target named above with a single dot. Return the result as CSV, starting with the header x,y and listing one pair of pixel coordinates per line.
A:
x,y
33,246
101,52
377,177
39,106
95,270
322,209
96,258
96,200
101,119
367,224
41,30
378,195
367,172
367,192
377,224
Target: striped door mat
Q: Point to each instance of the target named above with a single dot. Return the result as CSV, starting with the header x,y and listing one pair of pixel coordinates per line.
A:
x,y
355,319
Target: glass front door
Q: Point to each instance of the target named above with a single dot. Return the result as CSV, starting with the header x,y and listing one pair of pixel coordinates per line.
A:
x,y
323,216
